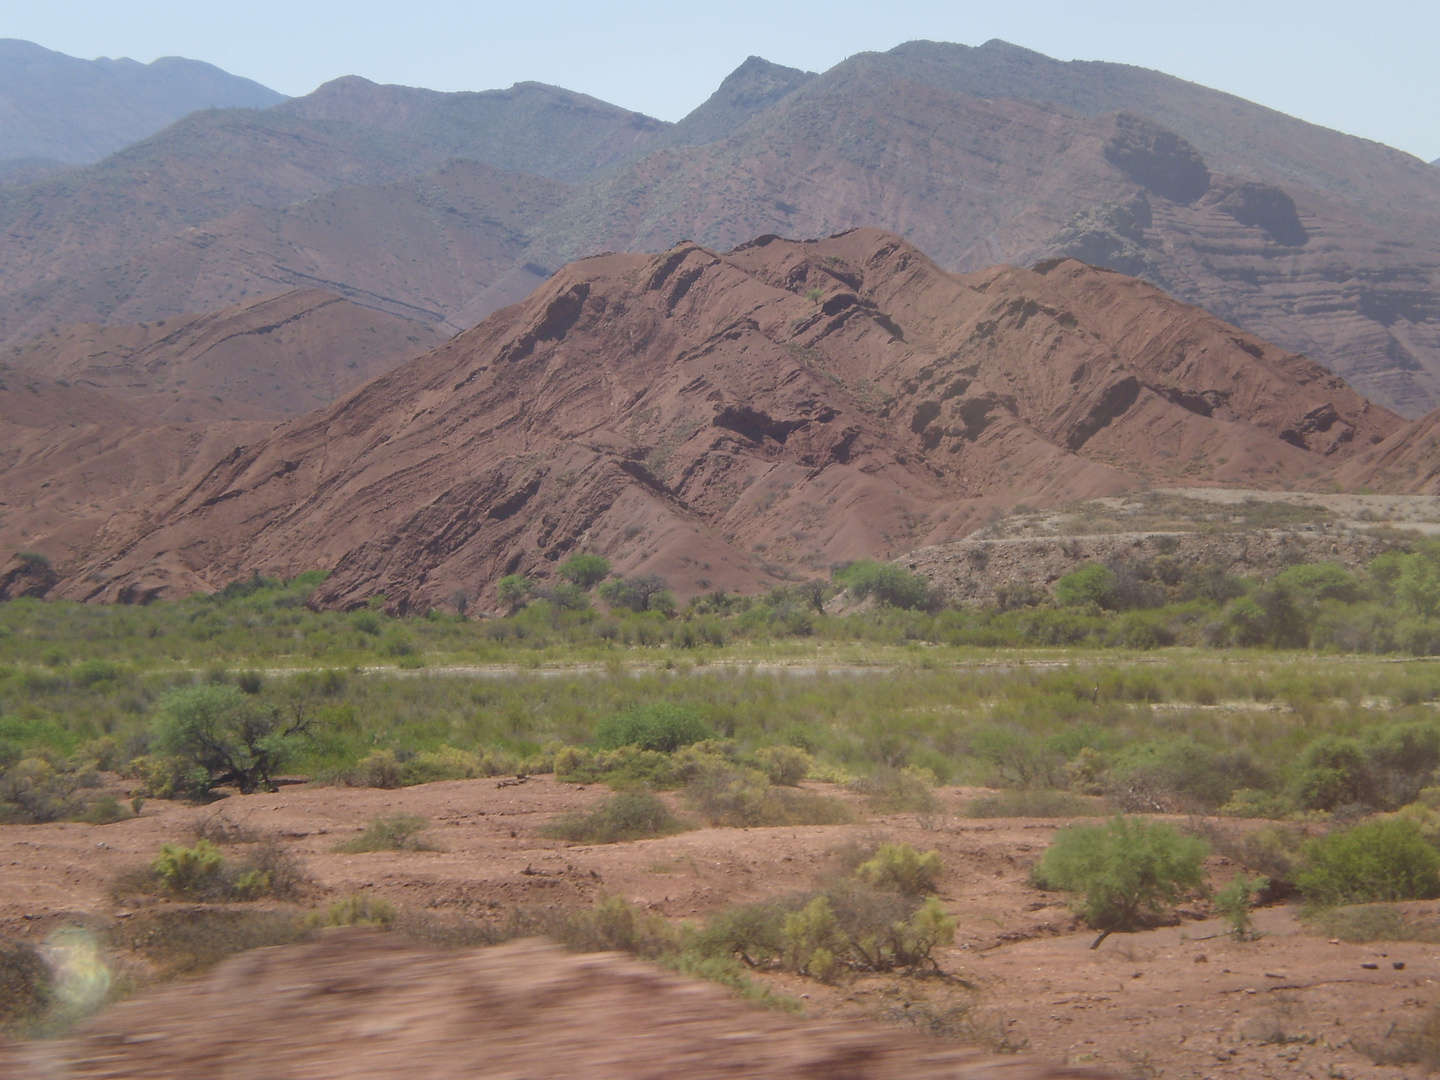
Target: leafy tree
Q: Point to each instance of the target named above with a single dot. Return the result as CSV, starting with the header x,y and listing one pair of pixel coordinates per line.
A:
x,y
891,585
1417,587
1126,871
658,726
644,592
512,589
585,569
1321,581
221,735
1093,584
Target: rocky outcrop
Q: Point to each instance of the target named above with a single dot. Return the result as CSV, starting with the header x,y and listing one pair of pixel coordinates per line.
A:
x,y
731,420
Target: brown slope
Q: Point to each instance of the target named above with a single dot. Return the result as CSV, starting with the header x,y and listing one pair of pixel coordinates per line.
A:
x,y
722,419
1407,463
65,243
262,359
1323,242
97,420
427,249
77,460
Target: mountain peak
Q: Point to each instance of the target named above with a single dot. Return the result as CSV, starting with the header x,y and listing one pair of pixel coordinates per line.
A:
x,y
78,111
751,88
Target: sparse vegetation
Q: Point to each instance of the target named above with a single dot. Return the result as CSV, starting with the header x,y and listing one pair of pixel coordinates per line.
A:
x,y
398,832
629,815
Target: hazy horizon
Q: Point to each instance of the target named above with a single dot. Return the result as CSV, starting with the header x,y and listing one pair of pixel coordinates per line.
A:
x,y
1368,74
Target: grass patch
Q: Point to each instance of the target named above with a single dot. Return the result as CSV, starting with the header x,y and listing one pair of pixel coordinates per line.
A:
x,y
1364,923
898,791
1036,802
399,832
629,815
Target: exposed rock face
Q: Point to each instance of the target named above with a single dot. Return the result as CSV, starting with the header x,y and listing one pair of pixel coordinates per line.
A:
x,y
1406,463
65,109
97,420
1326,244
360,1006
725,420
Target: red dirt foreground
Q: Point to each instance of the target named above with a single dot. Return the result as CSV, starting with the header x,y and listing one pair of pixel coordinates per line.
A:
x,y
356,1005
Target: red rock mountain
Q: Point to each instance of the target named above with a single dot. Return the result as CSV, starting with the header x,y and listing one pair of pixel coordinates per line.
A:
x,y
729,420
1324,243
96,420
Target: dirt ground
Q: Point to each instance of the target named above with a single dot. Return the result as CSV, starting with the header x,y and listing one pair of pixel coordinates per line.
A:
x,y
1179,1002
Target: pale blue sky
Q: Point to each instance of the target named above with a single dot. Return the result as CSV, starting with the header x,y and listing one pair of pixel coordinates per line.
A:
x,y
1367,68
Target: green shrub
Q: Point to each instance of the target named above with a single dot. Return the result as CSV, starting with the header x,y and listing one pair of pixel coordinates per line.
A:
x,y
104,809
512,589
1234,901
399,832
784,765
35,790
183,870
202,873
26,987
1364,923
1182,773
755,933
1378,861
1125,871
359,910
902,868
630,815
615,925
898,791
660,726
1093,584
644,592
228,735
890,585
585,569
378,769
433,766
1330,772
739,797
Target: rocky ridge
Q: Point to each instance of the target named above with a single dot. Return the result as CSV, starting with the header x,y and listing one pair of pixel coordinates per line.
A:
x,y
731,420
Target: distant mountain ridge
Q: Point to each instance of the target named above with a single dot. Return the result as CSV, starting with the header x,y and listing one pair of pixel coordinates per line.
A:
x,y
74,111
1326,244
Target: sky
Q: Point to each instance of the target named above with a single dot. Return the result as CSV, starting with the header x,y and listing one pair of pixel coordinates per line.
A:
x,y
1368,69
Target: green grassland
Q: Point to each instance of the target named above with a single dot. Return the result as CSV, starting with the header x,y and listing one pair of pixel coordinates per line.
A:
x,y
979,696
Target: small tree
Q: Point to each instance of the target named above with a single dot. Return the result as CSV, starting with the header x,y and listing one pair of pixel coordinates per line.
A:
x,y
1093,584
1126,871
585,569
222,735
512,589
891,585
644,592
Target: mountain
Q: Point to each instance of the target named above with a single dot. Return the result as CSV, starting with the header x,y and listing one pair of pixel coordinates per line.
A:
x,y
95,420
74,248
1324,243
729,420
78,111
749,90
